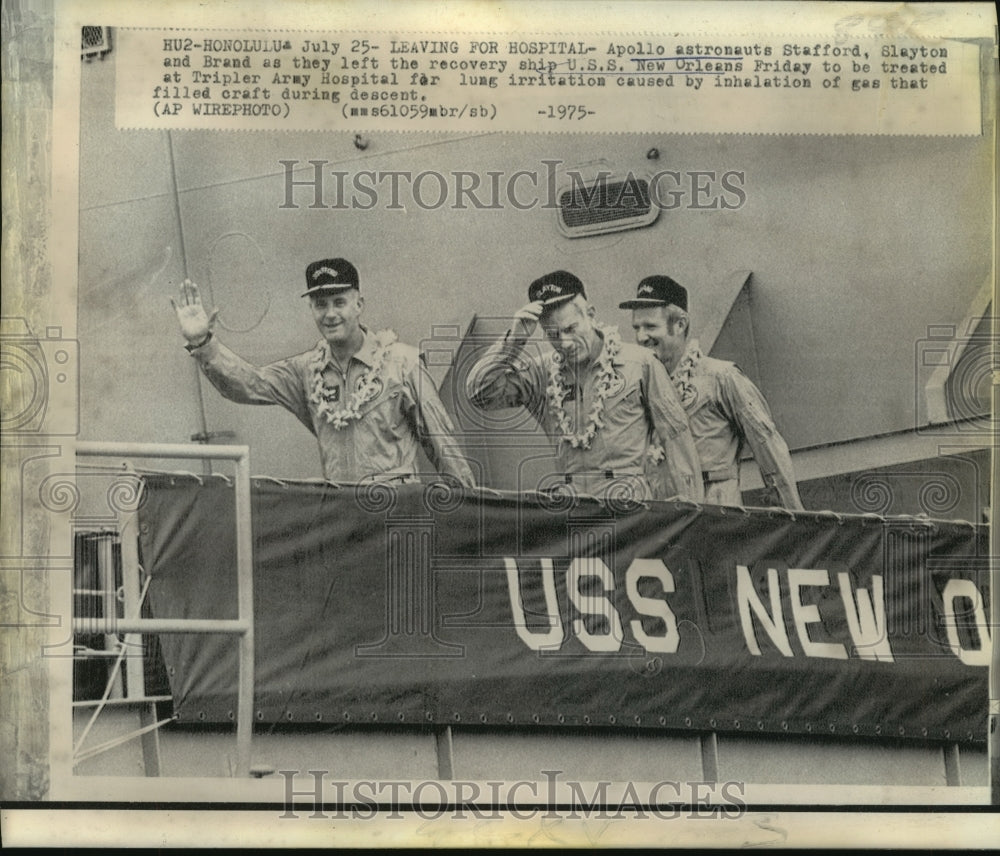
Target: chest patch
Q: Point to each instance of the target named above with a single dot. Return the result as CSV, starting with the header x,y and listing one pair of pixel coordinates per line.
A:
x,y
616,385
689,394
377,386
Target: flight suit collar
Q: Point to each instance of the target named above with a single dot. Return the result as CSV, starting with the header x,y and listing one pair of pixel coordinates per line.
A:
x,y
365,354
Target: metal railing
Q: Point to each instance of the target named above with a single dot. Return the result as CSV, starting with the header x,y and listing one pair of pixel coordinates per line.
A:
x,y
242,626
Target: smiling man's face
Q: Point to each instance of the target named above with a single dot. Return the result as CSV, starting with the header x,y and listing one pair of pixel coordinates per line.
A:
x,y
654,330
337,314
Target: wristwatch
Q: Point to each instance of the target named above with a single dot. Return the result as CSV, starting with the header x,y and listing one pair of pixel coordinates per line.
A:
x,y
189,347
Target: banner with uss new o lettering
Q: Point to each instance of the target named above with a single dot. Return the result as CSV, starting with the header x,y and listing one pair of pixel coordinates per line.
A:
x,y
419,605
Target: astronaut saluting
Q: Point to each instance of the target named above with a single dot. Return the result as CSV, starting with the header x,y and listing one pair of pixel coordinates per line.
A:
x,y
365,396
606,404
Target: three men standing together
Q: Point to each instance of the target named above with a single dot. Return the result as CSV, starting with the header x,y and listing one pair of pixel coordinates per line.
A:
x,y
659,421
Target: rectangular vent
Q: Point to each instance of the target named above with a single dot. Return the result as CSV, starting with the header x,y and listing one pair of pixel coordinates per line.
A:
x,y
606,206
95,42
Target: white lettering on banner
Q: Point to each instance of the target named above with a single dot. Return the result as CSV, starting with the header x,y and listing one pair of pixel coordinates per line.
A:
x,y
962,589
589,604
866,618
652,606
773,622
550,639
864,611
612,639
804,614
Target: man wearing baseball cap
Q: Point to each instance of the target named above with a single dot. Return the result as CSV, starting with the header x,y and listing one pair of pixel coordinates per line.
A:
x,y
606,404
726,411
365,396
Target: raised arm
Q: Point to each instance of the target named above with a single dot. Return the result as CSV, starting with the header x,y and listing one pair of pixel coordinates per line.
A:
x,y
236,379
500,378
769,449
681,468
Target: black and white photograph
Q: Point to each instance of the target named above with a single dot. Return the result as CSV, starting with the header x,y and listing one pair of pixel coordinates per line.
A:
x,y
499,424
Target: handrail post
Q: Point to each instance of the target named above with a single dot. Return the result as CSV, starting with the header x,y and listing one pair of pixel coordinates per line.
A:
x,y
244,576
135,678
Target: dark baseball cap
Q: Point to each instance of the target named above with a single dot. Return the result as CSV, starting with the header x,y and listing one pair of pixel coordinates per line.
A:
x,y
556,287
330,275
657,291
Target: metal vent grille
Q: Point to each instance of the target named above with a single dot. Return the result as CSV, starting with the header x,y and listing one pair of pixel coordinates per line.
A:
x,y
95,42
606,206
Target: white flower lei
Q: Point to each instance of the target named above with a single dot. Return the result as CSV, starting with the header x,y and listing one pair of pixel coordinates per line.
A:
x,y
557,391
685,388
322,394
685,370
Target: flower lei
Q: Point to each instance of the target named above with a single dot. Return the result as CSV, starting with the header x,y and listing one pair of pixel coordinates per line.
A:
x,y
656,453
685,370
323,395
557,392
682,380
